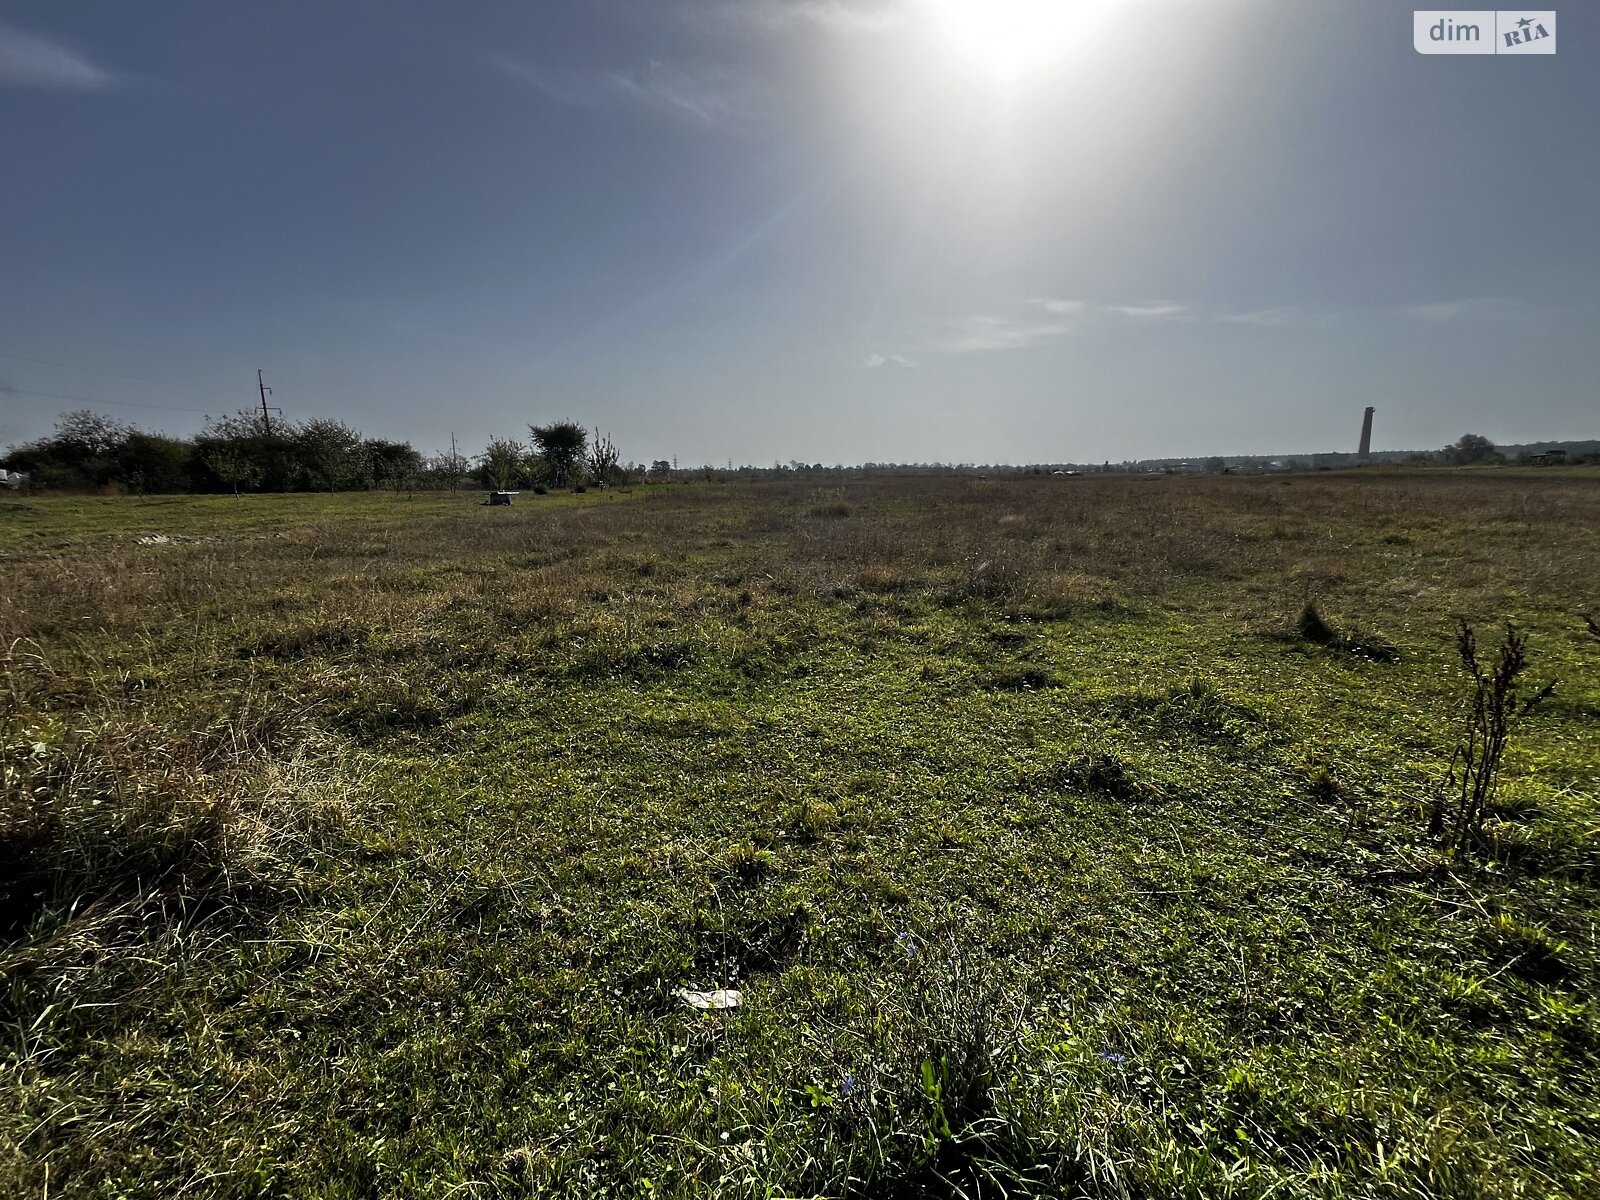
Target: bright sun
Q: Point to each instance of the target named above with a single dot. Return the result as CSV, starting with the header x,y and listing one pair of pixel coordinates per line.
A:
x,y
1011,39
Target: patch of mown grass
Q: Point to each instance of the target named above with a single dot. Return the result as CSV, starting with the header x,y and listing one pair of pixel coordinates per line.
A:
x,y
1168,926
324,637
1196,710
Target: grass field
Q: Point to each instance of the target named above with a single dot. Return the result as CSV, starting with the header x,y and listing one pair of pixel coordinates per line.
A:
x,y
357,845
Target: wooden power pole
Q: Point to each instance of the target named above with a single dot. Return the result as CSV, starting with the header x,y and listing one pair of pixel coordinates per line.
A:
x,y
266,421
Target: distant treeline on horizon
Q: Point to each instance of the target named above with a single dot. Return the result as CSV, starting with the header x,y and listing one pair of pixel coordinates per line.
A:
x,y
249,451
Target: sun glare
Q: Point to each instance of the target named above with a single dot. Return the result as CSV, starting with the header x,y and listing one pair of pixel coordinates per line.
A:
x,y
1011,39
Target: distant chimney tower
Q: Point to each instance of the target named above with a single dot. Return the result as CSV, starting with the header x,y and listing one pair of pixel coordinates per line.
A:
x,y
1366,436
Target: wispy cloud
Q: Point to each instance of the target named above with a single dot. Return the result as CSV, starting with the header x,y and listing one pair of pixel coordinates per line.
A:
x,y
1456,310
1149,311
981,334
987,332
1060,308
876,361
36,60
786,16
711,101
1267,318
1146,312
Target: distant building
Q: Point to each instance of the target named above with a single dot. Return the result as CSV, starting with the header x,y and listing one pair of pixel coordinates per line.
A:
x,y
1550,458
13,479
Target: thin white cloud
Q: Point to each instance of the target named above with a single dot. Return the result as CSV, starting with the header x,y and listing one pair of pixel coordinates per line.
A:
x,y
35,60
711,102
786,16
986,332
1146,312
1060,308
982,334
877,361
1271,318
676,93
1455,310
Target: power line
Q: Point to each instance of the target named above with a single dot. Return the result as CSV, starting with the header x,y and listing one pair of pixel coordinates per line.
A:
x,y
45,362
16,391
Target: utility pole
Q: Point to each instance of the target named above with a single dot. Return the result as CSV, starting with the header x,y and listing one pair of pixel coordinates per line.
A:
x,y
266,421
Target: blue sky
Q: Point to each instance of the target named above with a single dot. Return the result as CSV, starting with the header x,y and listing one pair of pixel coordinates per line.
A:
x,y
829,230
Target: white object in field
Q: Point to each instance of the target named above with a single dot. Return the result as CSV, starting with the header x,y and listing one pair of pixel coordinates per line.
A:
x,y
716,1001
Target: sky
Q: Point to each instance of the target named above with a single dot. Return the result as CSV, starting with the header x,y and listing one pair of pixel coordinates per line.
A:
x,y
831,231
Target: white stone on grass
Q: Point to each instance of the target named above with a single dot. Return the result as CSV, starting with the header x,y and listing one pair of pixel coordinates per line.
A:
x,y
722,998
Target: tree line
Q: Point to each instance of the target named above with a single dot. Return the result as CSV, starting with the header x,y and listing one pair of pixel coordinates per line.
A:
x,y
246,452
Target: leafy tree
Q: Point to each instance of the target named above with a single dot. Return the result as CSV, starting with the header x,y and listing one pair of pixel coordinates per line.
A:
x,y
231,465
80,454
603,458
561,446
331,455
1472,449
239,451
250,456
151,462
502,462
392,464
86,434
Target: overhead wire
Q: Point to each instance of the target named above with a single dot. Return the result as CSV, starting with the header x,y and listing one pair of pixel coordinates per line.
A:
x,y
10,390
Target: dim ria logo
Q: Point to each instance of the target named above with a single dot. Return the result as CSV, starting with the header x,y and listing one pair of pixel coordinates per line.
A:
x,y
1474,31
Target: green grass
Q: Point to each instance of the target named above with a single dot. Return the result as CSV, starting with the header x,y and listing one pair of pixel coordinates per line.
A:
x,y
1047,852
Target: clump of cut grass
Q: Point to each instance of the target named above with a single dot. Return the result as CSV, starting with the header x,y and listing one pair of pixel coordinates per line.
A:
x,y
992,579
1323,784
885,580
1529,949
746,863
323,637
390,705
1312,627
813,819
1021,678
832,510
657,657
738,946
1100,774
1197,710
